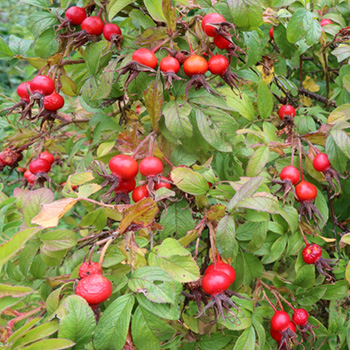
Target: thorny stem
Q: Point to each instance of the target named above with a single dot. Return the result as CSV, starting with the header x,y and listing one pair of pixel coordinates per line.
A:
x,y
162,43
142,143
301,70
104,250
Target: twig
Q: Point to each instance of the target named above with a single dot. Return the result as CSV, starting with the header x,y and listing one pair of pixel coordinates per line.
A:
x,y
317,97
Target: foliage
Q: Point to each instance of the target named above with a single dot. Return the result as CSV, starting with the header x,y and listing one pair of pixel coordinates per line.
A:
x,y
222,145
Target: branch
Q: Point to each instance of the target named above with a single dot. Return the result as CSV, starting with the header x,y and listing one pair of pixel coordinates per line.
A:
x,y
317,97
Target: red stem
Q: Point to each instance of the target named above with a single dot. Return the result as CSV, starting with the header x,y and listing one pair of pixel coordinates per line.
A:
x,y
287,302
302,233
189,42
301,161
269,301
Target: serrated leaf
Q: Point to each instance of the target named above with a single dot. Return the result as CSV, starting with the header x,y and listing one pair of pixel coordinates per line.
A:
x,y
58,240
154,7
153,96
115,6
265,100
261,201
14,291
246,341
15,244
258,161
50,344
177,118
225,236
79,323
154,283
212,133
139,215
113,326
341,113
189,181
247,14
245,191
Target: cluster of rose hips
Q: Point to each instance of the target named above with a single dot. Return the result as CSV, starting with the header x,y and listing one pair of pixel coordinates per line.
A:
x,y
92,286
216,282
195,66
125,168
38,169
283,328
91,26
40,90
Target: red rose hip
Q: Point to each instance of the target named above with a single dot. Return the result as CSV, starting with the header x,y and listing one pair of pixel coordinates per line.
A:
x,y
321,162
211,18
93,25
39,166
43,85
145,57
95,289
89,268
290,173
286,110
151,166
124,166
76,15
110,30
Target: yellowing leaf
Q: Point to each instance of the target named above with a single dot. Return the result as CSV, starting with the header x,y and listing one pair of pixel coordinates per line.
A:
x,y
52,212
267,74
139,215
310,84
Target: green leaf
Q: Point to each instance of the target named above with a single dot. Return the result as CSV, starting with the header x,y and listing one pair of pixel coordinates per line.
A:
x,y
177,118
336,291
177,219
277,249
79,323
240,103
154,7
167,311
46,45
154,283
247,14
225,236
313,32
305,277
265,100
182,268
148,330
259,237
115,6
247,268
261,201
258,161
141,332
113,326
50,344
342,140
93,55
153,96
280,37
5,51
14,291
246,341
189,181
342,52
38,333
171,247
15,244
212,133
213,341
97,218
58,240
38,22
299,24
245,191
291,215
